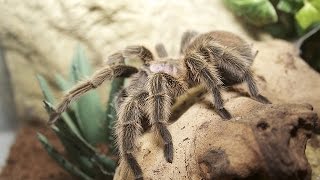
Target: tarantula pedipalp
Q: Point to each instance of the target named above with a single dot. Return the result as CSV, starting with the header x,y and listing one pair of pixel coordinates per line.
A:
x,y
214,59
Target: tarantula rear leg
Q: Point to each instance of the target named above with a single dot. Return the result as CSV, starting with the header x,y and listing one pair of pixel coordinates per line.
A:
x,y
235,68
128,128
207,74
253,89
105,73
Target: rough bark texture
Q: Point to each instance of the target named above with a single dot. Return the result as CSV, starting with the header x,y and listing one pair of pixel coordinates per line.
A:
x,y
260,141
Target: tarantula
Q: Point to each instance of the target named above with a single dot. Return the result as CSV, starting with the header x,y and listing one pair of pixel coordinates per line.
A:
x,y
214,59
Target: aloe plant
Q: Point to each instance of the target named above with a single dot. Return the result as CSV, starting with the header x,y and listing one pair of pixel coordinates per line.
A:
x,y
83,126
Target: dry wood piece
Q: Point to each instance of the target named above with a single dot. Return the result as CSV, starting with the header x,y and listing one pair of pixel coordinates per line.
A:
x,y
261,140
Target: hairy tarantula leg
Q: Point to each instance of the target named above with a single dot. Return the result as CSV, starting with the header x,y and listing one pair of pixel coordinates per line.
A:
x,y
115,59
161,50
105,73
254,90
235,64
120,97
186,39
208,75
138,51
231,62
128,128
160,104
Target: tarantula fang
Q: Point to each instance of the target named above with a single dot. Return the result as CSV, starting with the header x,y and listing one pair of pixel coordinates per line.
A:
x,y
214,59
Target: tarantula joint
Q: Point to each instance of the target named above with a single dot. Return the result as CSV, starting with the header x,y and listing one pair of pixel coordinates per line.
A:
x,y
214,59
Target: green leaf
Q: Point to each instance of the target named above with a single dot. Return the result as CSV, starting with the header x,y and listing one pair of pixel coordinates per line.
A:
x,y
80,67
290,6
67,165
255,12
46,91
49,108
309,14
72,149
62,83
284,28
86,154
89,113
49,100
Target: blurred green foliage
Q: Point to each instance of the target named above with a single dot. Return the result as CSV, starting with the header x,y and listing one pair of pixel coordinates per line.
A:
x,y
256,12
309,14
282,18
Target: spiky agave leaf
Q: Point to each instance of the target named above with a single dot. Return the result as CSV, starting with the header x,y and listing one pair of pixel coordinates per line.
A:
x,y
77,144
72,152
67,165
62,83
87,156
48,95
85,148
89,113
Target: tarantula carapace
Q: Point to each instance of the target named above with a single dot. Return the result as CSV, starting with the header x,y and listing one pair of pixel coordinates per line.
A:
x,y
213,59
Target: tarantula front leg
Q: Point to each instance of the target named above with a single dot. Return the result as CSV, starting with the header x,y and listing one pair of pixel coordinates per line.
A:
x,y
208,75
128,128
138,51
162,88
105,73
115,59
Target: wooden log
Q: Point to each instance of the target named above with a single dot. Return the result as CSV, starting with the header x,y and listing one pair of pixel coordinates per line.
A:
x,y
260,142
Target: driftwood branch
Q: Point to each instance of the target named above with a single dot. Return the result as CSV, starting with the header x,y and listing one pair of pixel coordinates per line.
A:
x,y
260,141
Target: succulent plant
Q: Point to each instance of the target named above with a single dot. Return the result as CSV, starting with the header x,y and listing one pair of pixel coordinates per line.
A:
x,y
84,126
282,18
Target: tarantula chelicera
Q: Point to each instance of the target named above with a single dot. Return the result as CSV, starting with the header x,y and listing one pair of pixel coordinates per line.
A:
x,y
213,59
